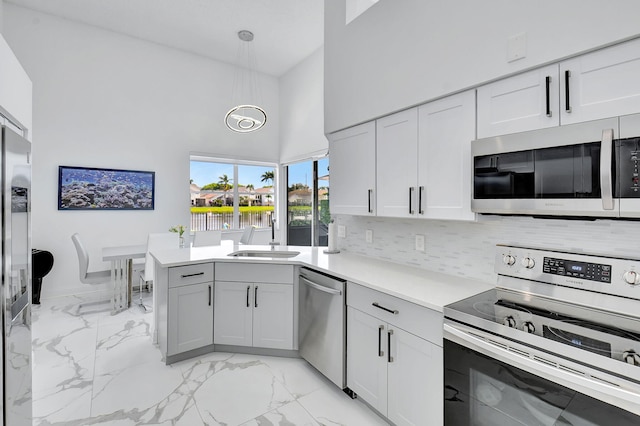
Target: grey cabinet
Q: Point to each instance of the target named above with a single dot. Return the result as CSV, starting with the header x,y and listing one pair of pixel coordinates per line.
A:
x,y
190,308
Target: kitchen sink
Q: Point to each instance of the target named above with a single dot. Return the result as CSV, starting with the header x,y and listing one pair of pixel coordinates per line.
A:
x,y
264,253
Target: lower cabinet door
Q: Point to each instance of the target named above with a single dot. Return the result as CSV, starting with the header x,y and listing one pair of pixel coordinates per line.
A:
x,y
367,358
233,313
273,316
415,378
190,317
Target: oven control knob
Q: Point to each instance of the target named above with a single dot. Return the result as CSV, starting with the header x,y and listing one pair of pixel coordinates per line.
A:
x,y
529,327
508,260
509,322
631,277
528,262
631,357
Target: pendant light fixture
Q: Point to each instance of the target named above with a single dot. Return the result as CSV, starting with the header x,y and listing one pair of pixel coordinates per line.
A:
x,y
246,116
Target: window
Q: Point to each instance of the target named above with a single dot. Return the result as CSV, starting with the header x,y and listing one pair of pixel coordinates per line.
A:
x,y
231,195
308,203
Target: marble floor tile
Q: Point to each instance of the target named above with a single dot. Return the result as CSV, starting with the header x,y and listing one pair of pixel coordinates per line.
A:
x,y
331,406
94,368
291,414
237,390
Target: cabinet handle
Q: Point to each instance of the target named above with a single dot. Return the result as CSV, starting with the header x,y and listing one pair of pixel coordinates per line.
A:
x,y
411,189
548,98
391,311
209,295
380,351
369,205
389,357
420,191
192,275
255,297
248,288
567,103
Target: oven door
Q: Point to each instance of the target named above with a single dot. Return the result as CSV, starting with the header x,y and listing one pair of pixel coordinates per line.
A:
x,y
493,381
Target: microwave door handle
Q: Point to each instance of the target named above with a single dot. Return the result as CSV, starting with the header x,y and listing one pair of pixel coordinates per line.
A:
x,y
606,184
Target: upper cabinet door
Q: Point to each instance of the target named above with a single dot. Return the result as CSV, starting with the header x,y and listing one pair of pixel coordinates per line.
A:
x,y
601,84
523,102
397,166
446,129
352,154
15,88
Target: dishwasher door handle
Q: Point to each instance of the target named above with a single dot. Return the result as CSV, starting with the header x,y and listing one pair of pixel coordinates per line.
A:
x,y
321,287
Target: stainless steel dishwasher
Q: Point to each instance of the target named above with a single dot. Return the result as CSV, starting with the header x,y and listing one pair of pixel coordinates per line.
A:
x,y
322,324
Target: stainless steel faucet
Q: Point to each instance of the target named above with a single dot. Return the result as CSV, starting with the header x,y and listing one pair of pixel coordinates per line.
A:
x,y
273,233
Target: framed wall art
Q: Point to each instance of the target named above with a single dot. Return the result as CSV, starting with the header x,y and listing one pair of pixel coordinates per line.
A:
x,y
88,188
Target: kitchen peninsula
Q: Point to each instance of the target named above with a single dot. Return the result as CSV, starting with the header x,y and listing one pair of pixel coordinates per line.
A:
x,y
410,307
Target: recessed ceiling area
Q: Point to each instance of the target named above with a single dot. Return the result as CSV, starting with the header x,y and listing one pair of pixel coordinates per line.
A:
x,y
286,31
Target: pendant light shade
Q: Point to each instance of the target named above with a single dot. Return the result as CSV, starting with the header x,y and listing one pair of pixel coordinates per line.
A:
x,y
246,116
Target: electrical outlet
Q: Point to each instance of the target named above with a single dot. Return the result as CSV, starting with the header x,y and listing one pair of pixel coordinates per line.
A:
x,y
516,47
342,231
369,236
420,243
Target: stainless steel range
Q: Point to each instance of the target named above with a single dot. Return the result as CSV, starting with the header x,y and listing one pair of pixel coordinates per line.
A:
x,y
557,342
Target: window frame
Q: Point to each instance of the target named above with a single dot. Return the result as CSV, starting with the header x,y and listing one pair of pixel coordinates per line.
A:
x,y
203,158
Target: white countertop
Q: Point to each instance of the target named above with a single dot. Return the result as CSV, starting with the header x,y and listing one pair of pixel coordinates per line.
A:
x,y
430,289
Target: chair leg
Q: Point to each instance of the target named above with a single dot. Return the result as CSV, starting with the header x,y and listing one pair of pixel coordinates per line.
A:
x,y
141,304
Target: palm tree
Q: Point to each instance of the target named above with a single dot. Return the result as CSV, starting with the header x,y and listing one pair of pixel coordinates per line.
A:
x,y
267,176
225,182
250,189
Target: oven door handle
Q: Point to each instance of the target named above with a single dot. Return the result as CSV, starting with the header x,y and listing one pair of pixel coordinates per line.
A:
x,y
480,342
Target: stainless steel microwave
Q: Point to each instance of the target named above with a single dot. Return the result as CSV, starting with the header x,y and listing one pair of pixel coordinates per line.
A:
x,y
587,170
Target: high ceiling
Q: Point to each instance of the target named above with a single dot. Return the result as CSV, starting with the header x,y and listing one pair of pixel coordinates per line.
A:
x,y
286,31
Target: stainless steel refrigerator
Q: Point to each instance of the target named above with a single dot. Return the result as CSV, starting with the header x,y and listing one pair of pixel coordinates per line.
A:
x,y
15,356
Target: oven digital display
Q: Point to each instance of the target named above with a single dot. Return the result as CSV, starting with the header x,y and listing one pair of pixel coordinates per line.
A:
x,y
578,341
582,270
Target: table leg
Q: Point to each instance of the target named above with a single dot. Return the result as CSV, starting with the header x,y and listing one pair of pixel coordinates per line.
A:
x,y
120,277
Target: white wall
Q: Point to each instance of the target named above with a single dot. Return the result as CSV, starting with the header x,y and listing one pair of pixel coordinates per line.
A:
x,y
402,53
302,110
107,100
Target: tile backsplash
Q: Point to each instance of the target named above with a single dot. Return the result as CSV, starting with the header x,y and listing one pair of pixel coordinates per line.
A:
x,y
467,248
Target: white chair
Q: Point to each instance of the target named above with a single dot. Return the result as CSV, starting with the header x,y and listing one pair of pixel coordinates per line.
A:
x,y
207,238
247,235
86,277
157,241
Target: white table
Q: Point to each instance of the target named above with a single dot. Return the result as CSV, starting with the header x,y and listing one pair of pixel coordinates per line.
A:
x,y
121,258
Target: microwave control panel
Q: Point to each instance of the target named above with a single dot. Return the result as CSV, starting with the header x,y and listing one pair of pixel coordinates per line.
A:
x,y
628,154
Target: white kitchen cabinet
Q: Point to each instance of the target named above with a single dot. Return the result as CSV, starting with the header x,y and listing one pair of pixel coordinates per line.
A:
x,y
189,319
15,88
233,314
352,154
523,102
601,84
416,362
254,314
366,358
394,356
396,164
191,313
446,129
592,86
254,305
